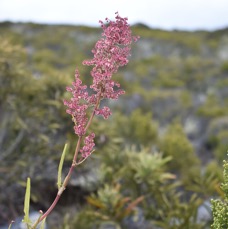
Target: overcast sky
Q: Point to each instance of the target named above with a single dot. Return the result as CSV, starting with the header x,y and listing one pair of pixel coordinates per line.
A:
x,y
165,14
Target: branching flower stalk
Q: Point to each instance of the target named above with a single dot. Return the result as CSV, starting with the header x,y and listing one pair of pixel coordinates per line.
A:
x,y
110,53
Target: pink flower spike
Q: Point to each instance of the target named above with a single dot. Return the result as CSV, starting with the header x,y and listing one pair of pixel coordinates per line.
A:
x,y
110,52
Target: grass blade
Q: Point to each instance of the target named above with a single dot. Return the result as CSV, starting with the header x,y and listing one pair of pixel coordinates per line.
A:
x,y
42,226
10,224
27,202
59,182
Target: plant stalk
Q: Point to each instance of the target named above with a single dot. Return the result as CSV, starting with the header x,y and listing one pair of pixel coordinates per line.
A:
x,y
74,164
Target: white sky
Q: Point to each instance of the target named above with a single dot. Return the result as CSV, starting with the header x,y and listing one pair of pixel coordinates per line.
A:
x,y
165,14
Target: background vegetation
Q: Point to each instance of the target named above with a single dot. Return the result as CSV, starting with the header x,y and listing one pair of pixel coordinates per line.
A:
x,y
158,159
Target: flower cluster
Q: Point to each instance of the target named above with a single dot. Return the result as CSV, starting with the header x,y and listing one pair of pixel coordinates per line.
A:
x,y
88,145
110,53
78,105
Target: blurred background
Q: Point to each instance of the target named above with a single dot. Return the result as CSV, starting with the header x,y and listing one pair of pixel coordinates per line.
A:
x,y
158,159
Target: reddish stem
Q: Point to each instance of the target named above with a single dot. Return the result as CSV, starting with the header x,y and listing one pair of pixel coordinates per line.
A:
x,y
74,163
50,208
66,180
92,115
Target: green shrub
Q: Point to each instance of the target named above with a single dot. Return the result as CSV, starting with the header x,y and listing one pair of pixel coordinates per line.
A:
x,y
174,143
220,207
137,128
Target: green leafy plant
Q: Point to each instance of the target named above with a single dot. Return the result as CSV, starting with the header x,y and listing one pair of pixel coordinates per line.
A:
x,y
220,207
174,143
140,177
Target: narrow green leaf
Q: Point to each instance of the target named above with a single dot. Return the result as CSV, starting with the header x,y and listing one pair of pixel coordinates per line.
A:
x,y
59,183
42,226
27,202
10,224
